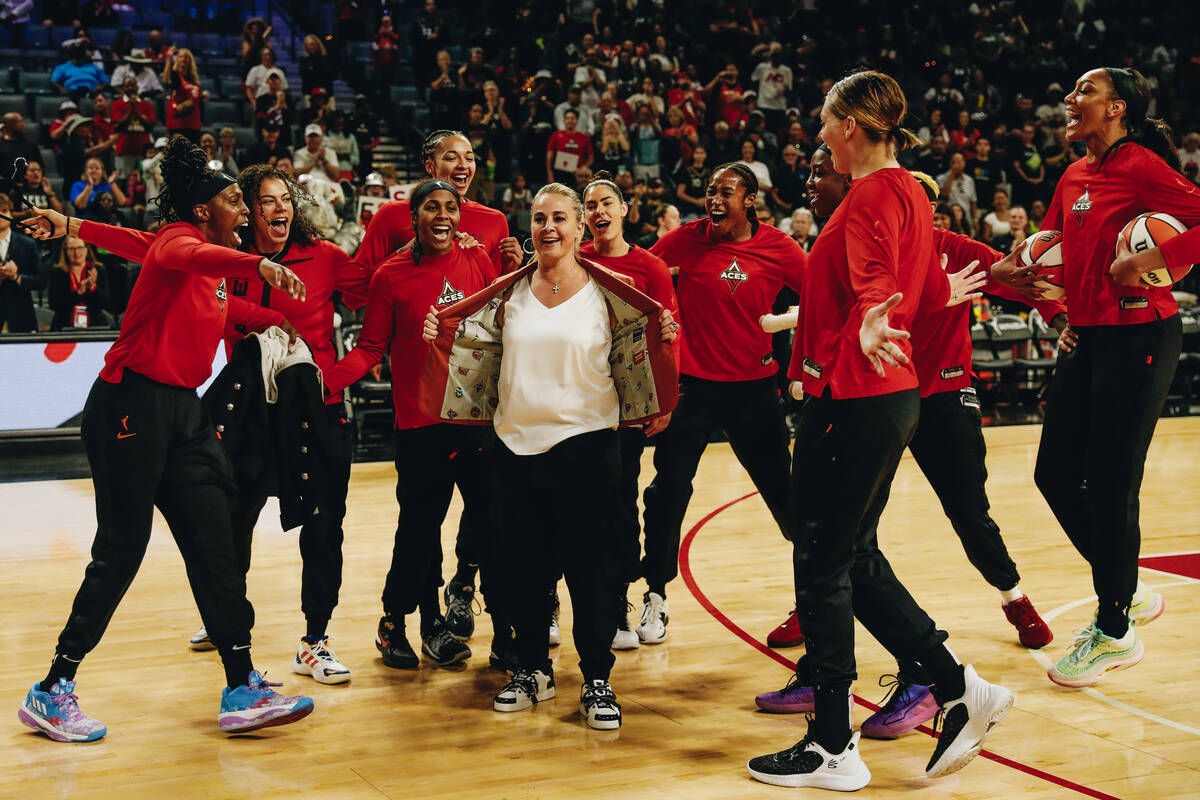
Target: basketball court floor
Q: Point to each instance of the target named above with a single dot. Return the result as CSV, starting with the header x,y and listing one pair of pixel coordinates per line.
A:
x,y
690,722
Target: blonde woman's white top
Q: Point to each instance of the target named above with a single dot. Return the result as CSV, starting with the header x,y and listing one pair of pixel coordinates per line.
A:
x,y
555,381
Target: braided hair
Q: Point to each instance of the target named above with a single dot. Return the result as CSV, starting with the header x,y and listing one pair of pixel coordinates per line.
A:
x,y
434,139
187,181
749,183
303,233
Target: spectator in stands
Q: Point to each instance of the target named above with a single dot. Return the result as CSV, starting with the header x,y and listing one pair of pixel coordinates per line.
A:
x,y
78,288
137,66
319,109
285,163
774,82
79,74
937,159
267,150
1189,153
256,37
761,171
151,169
1058,154
364,125
727,95
585,119
92,183
516,204
691,183
666,219
157,49
14,23
499,130
183,99
957,187
122,45
134,119
13,145
590,78
444,111
648,96
789,181
944,97
182,62
256,78
105,211
679,139
688,97
208,143
803,228
722,147
1028,169
568,150
613,153
66,110
536,124
1037,216
36,192
645,138
933,129
1018,229
942,217
315,66
104,128
965,134
275,105
996,223
20,275
984,170
668,64
583,176
226,151
385,50
74,151
314,158
427,35
344,145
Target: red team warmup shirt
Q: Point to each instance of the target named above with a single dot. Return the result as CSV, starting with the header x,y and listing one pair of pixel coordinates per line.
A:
x,y
724,287
176,314
878,242
322,266
399,300
134,139
1091,205
649,272
941,337
391,228
577,144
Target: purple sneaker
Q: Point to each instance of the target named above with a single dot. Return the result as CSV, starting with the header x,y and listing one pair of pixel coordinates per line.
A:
x,y
56,713
906,707
255,705
795,698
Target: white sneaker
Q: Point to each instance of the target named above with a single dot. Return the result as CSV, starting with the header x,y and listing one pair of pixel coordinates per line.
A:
x,y
319,661
200,640
625,638
554,635
1146,606
966,722
599,706
526,688
807,764
655,614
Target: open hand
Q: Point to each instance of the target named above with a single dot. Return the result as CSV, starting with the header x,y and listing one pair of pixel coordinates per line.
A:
x,y
964,284
280,277
876,336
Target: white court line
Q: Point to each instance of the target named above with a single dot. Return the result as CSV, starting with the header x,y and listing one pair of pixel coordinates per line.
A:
x,y
1046,663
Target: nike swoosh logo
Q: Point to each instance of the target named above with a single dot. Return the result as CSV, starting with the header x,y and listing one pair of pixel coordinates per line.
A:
x,y
240,647
125,435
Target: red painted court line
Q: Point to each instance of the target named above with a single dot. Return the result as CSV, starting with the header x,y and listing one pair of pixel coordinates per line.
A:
x,y
685,571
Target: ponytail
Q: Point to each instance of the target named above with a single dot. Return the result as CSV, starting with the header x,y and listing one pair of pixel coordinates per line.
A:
x,y
1153,134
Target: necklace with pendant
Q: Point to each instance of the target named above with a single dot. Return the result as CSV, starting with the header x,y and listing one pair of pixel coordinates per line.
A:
x,y
555,289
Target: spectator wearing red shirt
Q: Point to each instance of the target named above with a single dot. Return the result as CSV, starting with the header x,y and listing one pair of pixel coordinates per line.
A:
x,y
727,95
687,97
183,105
133,121
568,151
868,274
104,133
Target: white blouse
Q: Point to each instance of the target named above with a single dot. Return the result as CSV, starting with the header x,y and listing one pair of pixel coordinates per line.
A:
x,y
555,380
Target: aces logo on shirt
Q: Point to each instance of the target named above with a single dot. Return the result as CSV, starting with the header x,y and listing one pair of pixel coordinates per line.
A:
x,y
733,276
221,295
449,295
1082,206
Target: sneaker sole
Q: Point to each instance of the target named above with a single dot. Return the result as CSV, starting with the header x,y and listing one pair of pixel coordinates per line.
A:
x,y
329,680
201,647
965,758
627,644
601,724
784,708
1083,681
238,724
42,726
554,639
896,729
837,783
648,640
786,643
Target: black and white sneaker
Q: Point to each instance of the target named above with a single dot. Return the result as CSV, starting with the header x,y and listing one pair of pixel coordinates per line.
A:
x,y
966,721
526,688
599,706
443,647
460,613
808,765
554,636
393,644
655,614
625,638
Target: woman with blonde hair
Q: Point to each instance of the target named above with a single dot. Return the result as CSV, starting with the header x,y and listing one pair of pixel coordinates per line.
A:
x,y
78,288
870,273
613,153
314,66
556,355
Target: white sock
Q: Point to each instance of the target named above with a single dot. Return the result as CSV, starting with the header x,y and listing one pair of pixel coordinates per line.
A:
x,y
1140,593
1012,594
1127,640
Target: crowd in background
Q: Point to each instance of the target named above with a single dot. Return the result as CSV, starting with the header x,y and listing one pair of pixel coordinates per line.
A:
x,y
656,92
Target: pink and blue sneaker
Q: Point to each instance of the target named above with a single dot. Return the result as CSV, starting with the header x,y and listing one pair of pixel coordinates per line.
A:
x,y
908,705
256,705
56,713
794,698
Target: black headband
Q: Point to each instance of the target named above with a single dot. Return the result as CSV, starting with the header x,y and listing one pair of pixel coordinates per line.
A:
x,y
206,188
424,190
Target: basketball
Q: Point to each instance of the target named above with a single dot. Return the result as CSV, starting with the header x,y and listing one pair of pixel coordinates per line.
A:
x,y
1043,252
1149,230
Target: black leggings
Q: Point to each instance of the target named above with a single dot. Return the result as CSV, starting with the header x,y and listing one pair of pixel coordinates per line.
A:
x,y
1101,409
149,444
555,516
320,537
750,414
846,454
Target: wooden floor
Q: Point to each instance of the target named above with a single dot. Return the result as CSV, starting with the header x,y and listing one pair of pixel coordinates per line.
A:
x,y
690,722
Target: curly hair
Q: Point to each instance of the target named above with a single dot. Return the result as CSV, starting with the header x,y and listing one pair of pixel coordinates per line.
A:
x,y
303,233
184,168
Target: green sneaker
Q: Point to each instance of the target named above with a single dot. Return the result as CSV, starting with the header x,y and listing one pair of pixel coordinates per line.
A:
x,y
1147,605
1095,654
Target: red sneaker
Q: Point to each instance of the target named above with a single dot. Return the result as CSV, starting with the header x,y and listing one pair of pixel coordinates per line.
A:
x,y
1031,630
788,634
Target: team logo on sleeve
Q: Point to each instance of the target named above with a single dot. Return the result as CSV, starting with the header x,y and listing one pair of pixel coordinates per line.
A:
x,y
449,294
734,276
1082,206
221,295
